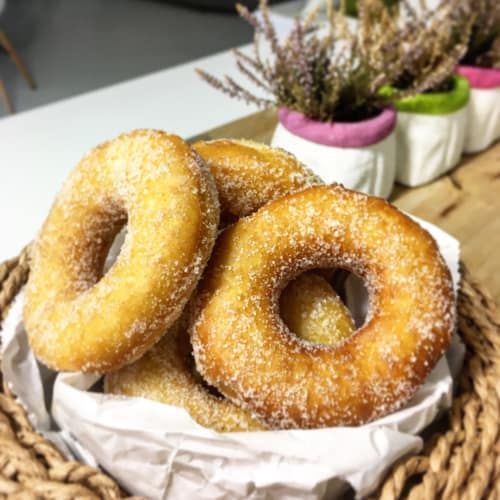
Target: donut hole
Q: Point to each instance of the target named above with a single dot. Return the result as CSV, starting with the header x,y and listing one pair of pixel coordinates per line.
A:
x,y
354,294
115,247
324,306
86,247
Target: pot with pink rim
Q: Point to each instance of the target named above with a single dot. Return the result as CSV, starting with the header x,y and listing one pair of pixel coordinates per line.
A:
x,y
360,155
484,107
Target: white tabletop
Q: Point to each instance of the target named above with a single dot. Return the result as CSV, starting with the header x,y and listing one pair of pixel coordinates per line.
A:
x,y
39,147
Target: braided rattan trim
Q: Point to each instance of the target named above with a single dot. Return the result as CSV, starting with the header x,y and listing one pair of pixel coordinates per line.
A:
x,y
31,467
13,275
462,461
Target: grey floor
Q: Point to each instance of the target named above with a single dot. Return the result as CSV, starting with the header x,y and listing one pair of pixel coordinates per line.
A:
x,y
73,46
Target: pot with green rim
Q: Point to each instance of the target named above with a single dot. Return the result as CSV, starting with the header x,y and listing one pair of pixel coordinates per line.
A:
x,y
430,132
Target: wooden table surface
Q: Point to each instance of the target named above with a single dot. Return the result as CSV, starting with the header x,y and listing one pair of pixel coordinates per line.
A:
x,y
465,203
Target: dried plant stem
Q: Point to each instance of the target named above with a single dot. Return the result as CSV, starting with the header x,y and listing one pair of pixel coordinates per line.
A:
x,y
484,45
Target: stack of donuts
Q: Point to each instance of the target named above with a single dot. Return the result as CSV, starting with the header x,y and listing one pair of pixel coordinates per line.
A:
x,y
221,298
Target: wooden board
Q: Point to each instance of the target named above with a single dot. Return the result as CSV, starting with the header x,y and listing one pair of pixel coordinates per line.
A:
x,y
465,203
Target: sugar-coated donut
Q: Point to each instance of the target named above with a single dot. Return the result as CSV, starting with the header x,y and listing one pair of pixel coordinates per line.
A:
x,y
249,174
242,347
76,318
166,374
312,310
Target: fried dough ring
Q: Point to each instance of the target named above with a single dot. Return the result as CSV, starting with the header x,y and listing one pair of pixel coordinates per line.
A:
x,y
76,318
242,347
249,174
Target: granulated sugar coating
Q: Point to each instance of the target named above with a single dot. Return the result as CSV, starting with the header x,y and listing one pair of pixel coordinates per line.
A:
x,y
242,347
249,174
76,318
166,374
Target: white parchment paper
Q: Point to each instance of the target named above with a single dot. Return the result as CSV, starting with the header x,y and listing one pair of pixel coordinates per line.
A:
x,y
159,452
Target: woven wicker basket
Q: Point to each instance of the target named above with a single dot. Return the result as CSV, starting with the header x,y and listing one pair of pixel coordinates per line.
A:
x,y
461,457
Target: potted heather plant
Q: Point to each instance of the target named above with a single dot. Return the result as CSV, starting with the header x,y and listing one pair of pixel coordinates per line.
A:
x,y
326,84
481,66
432,119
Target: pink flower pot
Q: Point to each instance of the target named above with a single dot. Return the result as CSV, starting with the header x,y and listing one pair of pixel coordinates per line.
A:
x,y
484,107
359,155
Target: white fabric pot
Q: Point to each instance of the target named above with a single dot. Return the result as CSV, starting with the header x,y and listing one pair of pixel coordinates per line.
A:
x,y
483,127
430,133
341,156
484,119
428,145
370,169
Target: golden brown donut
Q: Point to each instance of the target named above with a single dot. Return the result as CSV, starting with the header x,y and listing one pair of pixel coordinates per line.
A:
x,y
249,174
166,374
76,318
242,347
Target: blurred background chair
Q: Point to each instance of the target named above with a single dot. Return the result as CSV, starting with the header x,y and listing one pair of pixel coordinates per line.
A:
x,y
6,45
74,46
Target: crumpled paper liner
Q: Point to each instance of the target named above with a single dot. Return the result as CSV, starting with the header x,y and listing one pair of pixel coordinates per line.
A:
x,y
158,451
